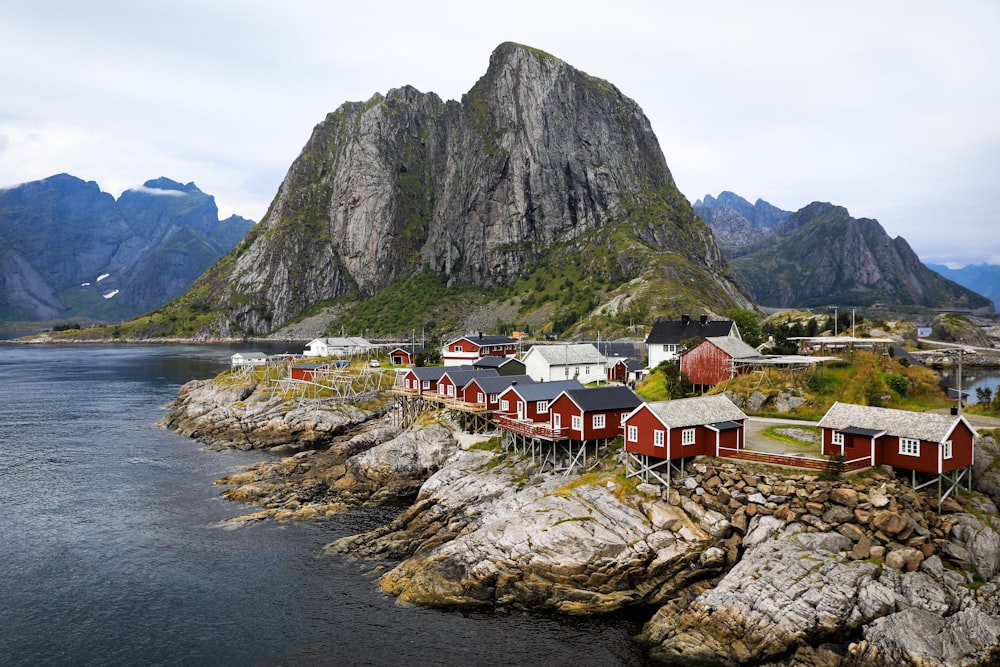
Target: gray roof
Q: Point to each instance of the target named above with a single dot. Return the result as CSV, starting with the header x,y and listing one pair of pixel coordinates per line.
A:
x,y
546,391
576,353
682,412
733,346
494,384
928,426
460,378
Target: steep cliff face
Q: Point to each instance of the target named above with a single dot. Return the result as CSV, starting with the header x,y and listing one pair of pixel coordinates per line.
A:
x,y
536,154
736,222
822,256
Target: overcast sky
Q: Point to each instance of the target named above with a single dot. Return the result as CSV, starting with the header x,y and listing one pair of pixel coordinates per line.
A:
x,y
890,109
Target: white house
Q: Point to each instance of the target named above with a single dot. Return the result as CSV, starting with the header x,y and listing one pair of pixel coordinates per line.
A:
x,y
337,347
244,359
579,361
665,338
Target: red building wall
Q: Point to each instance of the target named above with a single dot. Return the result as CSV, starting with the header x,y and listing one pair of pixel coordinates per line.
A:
x,y
705,364
567,408
531,412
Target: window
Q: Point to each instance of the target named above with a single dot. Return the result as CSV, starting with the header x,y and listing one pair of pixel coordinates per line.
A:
x,y
946,449
577,423
542,406
493,398
632,433
479,397
687,436
458,348
909,447
658,438
505,405
838,438
427,384
598,421
451,390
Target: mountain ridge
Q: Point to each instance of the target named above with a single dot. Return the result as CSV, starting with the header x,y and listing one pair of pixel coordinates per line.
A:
x,y
536,157
69,250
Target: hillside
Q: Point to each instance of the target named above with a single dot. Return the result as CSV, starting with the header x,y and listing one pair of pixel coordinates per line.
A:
x,y
540,197
821,256
980,278
69,250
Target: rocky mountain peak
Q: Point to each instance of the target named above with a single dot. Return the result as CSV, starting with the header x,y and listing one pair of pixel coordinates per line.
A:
x,y
536,153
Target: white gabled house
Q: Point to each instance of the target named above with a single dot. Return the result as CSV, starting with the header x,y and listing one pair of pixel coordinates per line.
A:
x,y
245,359
579,361
664,340
337,347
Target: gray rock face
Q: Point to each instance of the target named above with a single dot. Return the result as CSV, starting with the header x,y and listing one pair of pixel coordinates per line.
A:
x,y
536,153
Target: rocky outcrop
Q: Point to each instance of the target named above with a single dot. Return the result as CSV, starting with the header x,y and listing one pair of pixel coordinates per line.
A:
x,y
233,414
537,154
736,222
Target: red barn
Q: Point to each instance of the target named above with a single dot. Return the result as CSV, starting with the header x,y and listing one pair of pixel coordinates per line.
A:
x,y
709,362
920,442
593,414
467,349
405,355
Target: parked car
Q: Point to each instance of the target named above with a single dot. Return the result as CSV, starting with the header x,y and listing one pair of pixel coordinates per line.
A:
x,y
374,363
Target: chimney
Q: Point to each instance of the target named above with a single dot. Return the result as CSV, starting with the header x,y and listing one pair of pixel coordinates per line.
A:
x,y
685,319
704,320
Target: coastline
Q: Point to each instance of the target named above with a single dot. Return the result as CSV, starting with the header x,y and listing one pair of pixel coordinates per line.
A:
x,y
486,528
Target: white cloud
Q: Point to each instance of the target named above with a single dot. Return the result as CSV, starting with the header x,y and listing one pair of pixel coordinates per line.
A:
x,y
885,108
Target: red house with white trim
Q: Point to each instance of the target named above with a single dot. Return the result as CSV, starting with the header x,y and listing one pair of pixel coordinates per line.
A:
x,y
467,349
922,442
684,427
453,382
405,355
592,414
484,392
422,380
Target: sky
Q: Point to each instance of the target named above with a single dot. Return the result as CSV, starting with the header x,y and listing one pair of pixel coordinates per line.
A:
x,y
888,108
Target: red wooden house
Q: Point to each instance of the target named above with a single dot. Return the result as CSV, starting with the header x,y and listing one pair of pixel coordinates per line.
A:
x,y
710,362
484,391
307,372
529,403
621,369
467,349
453,382
405,355
593,414
664,431
422,380
920,442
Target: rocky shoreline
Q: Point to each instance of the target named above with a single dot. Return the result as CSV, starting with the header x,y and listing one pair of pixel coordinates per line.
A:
x,y
737,565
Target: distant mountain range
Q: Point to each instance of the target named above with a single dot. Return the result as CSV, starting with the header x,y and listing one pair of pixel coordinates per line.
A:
x,y
69,250
821,256
981,278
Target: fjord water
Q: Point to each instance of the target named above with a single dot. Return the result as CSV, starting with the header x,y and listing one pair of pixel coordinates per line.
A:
x,y
113,550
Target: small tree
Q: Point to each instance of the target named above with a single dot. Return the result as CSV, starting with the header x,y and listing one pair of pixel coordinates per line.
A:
x,y
984,395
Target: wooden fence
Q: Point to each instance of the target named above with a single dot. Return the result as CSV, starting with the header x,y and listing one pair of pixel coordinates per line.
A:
x,y
806,462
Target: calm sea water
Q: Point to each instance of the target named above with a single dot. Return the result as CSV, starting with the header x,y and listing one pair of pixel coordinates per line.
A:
x,y
112,551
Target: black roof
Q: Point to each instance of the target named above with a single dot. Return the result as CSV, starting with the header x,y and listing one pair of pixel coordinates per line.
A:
x,y
672,332
410,349
494,361
610,397
857,430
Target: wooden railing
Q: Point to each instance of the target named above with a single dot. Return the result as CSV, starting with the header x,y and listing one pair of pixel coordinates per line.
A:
x,y
530,429
806,462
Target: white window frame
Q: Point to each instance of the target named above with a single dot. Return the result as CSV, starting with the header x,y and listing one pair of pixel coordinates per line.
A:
x,y
577,422
505,405
599,420
480,396
837,438
426,384
909,447
659,437
542,407
687,436
946,449
632,433
493,398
